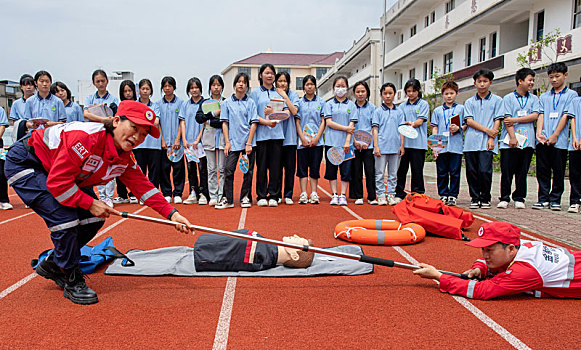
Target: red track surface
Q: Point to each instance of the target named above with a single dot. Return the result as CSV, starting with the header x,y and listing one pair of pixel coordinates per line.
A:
x,y
388,309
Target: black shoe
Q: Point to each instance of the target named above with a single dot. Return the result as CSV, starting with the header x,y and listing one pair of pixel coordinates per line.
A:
x,y
77,291
49,270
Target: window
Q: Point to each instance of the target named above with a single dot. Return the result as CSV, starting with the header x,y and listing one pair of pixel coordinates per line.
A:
x,y
426,21
468,54
321,71
540,23
577,14
448,60
492,49
433,15
413,30
401,38
412,73
482,50
425,71
246,70
300,83
10,102
400,81
283,69
431,68
10,90
450,5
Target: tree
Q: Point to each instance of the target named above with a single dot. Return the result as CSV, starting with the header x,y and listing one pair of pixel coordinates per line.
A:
x,y
544,47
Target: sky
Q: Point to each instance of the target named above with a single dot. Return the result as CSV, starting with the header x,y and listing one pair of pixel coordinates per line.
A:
x,y
70,39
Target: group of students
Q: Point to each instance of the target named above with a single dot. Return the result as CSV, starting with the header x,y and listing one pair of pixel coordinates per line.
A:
x,y
281,149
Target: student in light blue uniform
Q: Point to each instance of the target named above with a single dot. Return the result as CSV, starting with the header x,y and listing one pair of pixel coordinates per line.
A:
x,y
269,138
364,160
192,135
340,118
44,104
309,151
449,159
73,110
388,144
521,111
16,116
574,111
553,138
148,154
169,110
4,200
239,122
100,81
416,112
289,144
483,114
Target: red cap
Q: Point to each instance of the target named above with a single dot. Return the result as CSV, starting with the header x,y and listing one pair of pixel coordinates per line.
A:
x,y
494,232
140,114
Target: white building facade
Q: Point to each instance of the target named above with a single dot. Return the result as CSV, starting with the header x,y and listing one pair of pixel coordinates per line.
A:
x,y
87,88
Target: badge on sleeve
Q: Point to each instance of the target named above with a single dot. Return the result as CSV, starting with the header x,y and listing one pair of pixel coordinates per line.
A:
x,y
80,150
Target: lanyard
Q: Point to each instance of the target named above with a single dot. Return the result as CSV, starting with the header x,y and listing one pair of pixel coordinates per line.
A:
x,y
559,100
447,118
519,99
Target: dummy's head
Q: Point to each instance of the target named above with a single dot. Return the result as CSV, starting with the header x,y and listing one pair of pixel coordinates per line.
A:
x,y
499,241
298,258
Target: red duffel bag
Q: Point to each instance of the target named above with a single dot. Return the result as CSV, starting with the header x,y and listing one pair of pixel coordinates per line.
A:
x,y
433,215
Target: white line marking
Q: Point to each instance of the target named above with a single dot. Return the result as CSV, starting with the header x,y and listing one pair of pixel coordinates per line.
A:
x,y
25,280
15,218
506,335
223,327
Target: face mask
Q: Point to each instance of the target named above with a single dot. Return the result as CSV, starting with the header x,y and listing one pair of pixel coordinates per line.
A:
x,y
340,92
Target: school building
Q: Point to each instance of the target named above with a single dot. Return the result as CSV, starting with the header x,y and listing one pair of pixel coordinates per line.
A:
x,y
296,64
9,92
87,88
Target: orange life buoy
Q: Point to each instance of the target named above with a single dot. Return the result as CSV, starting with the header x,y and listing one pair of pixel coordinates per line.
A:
x,y
379,232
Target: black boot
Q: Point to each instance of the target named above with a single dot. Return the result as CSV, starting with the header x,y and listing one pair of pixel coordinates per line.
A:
x,y
49,270
77,291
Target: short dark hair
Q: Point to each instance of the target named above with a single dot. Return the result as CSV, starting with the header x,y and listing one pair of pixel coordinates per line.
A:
x,y
487,73
557,67
449,84
41,73
26,79
131,85
522,74
387,85
243,76
286,75
341,77
98,72
414,84
214,78
146,82
108,124
365,86
168,80
191,82
61,85
311,78
262,69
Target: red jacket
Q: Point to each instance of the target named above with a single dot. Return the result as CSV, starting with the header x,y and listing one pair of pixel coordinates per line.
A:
x,y
83,154
536,269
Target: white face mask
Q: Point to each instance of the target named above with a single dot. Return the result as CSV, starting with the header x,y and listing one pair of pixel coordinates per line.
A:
x,y
340,91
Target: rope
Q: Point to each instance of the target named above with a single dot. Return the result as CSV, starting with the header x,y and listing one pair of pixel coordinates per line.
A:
x,y
347,232
413,233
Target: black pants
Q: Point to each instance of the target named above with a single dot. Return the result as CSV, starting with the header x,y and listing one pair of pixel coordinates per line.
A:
x,y
479,175
3,184
149,160
230,169
449,166
200,187
179,176
575,176
289,164
551,160
514,162
268,169
413,158
364,161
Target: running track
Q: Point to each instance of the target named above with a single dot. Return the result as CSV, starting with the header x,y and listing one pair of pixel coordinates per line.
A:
x,y
389,309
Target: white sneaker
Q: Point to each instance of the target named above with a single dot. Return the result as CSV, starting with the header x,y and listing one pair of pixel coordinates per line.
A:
x,y
314,198
382,201
391,199
288,201
279,200
334,200
245,203
203,200
272,203
212,202
177,200
119,200
6,206
304,198
502,205
191,199
574,208
342,200
359,201
133,200
224,204
109,202
168,199
372,202
519,205
262,203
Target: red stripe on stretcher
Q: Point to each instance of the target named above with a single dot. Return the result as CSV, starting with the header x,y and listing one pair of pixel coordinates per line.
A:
x,y
248,248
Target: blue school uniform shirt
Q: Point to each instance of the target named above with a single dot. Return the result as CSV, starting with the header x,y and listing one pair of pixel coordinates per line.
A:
x,y
151,142
3,118
261,97
575,111
341,113
74,112
513,105
484,111
310,111
364,117
169,118
550,103
441,119
387,120
188,112
18,108
411,112
95,99
240,114
289,127
51,108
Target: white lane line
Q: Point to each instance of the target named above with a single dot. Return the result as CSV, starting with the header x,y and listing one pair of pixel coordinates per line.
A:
x,y
223,327
505,334
26,279
15,218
